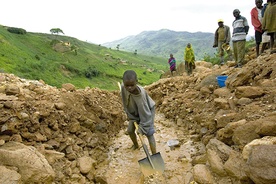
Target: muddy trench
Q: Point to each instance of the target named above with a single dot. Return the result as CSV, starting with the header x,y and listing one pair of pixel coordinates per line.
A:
x,y
174,145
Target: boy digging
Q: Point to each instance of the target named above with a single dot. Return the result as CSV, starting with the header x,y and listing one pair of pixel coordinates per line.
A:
x,y
139,108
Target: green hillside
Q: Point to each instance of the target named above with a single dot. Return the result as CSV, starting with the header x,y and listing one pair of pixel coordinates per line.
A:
x,y
163,42
58,59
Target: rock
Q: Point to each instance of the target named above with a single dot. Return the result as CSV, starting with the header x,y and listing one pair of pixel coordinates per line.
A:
x,y
12,90
225,134
86,164
100,178
268,140
244,101
2,142
8,176
69,87
202,174
249,92
75,126
220,148
223,120
201,159
60,106
266,126
52,156
221,103
32,165
222,93
262,164
216,163
245,133
235,166
205,91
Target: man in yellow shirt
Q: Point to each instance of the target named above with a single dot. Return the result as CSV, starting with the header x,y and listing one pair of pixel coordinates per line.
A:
x,y
222,39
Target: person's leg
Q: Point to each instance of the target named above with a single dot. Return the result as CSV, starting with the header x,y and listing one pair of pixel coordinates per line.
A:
x,y
230,55
152,143
240,52
235,50
189,68
265,40
257,49
264,45
221,52
132,134
258,39
272,37
186,65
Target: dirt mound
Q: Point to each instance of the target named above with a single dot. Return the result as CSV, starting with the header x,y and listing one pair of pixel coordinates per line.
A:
x,y
77,123
76,130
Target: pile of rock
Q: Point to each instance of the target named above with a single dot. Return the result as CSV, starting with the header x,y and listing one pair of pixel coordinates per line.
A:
x,y
54,135
236,123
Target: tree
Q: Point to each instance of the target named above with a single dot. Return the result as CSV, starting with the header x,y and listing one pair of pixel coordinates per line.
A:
x,y
118,47
56,31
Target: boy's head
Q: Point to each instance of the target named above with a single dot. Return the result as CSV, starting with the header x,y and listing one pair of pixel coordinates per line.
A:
x,y
130,81
130,75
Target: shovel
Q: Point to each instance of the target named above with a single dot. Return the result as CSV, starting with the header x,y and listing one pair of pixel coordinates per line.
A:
x,y
152,163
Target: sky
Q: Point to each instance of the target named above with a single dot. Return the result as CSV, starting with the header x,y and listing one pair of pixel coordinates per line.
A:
x,y
101,21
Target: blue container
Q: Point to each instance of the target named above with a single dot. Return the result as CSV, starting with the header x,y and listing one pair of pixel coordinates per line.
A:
x,y
221,80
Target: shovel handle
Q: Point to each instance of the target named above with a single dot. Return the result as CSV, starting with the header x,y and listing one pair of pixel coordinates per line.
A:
x,y
144,145
140,136
119,85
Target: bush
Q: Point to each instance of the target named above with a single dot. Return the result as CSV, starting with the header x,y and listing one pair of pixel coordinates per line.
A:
x,y
54,42
17,30
91,72
37,57
214,60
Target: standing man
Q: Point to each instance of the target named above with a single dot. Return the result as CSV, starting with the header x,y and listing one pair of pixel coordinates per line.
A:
x,y
256,20
240,30
222,39
269,23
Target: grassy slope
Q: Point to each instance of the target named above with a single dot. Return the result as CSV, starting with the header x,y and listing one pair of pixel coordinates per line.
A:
x,y
31,56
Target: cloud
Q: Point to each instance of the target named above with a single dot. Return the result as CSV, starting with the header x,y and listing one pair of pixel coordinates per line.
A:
x,y
108,20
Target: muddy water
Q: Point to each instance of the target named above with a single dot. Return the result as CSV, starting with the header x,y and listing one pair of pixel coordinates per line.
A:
x,y
123,165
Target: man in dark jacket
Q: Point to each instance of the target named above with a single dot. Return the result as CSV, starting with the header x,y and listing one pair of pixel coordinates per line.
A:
x,y
222,39
269,23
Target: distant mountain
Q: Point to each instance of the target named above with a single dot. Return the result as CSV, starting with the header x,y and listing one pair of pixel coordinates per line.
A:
x,y
163,42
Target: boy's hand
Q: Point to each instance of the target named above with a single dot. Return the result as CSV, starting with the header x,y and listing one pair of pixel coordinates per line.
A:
x,y
138,128
139,131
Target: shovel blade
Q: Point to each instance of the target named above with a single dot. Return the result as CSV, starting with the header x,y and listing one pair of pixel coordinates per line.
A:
x,y
158,165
